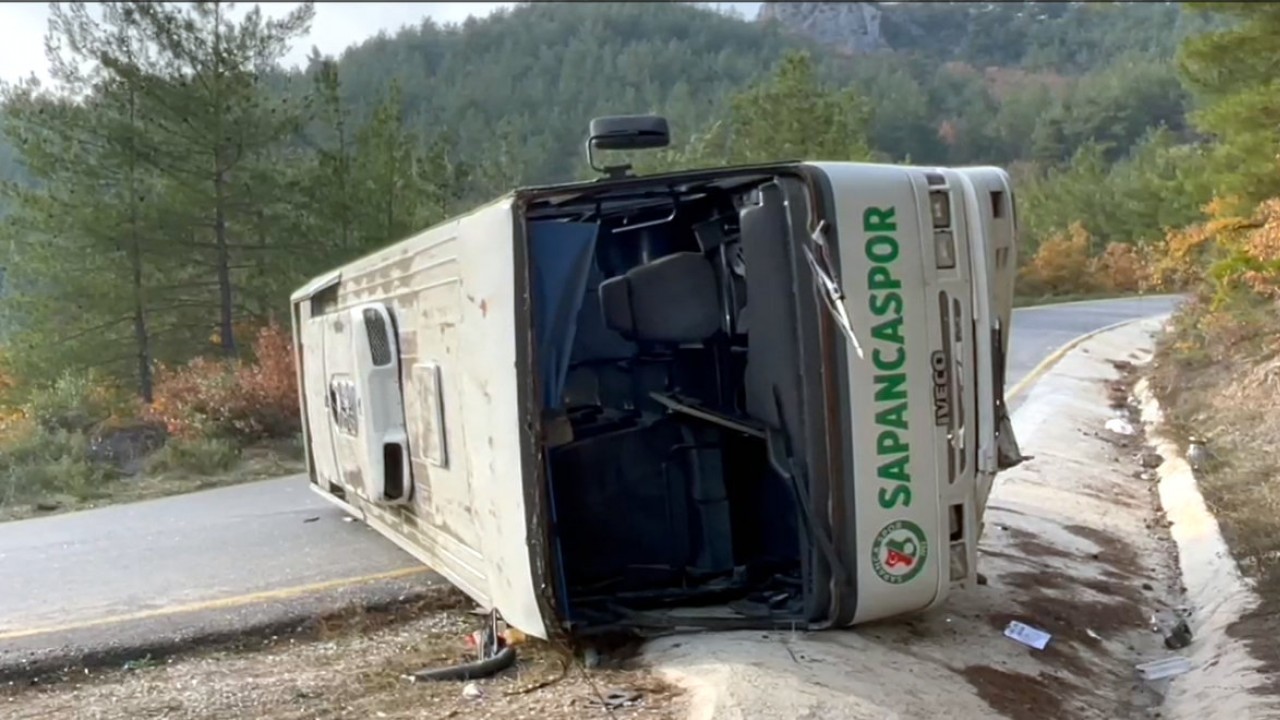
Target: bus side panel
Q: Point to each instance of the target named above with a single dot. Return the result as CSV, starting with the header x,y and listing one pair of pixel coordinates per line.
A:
x,y
900,556
490,379
407,278
992,221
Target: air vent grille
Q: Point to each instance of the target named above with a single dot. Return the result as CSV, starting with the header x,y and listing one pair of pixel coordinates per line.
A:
x,y
379,339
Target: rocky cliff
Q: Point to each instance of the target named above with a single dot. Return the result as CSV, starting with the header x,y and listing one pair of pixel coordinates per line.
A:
x,y
852,27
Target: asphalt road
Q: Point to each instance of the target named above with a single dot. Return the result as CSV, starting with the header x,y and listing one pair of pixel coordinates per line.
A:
x,y
165,572
1038,331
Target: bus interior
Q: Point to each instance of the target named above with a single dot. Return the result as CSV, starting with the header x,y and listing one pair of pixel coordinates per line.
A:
x,y
672,322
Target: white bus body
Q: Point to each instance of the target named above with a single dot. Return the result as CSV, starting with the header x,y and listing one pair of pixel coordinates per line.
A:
x,y
744,397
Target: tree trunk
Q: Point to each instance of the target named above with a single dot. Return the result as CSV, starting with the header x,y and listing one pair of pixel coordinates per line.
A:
x,y
344,168
226,317
141,333
140,330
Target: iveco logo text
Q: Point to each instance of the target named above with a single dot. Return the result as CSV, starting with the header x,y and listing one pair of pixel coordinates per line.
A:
x,y
889,356
941,388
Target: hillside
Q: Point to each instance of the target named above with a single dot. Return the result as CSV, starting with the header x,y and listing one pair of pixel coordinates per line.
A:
x,y
1018,81
1019,77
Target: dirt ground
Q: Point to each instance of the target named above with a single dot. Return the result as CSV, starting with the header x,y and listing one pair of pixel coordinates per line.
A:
x,y
353,671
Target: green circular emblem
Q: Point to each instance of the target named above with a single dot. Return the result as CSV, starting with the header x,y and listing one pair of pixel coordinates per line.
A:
x,y
899,552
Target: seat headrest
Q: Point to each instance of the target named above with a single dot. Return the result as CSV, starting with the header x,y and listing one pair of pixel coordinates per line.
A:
x,y
673,299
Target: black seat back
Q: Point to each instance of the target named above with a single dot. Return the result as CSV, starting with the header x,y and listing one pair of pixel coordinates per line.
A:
x,y
672,300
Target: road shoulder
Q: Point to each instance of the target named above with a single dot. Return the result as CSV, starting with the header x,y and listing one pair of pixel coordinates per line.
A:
x,y
52,653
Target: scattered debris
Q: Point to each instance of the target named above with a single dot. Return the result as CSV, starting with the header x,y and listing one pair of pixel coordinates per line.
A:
x,y
142,663
1123,366
348,518
1120,426
1092,634
1179,637
1027,635
1197,455
1152,460
616,699
311,519
1166,668
472,691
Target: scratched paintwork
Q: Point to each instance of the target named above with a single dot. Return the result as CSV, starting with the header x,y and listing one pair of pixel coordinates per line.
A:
x,y
451,292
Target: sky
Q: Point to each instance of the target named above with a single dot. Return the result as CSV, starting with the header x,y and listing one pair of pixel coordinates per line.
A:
x,y
337,25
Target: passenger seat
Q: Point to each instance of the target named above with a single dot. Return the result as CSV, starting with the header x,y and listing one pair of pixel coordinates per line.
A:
x,y
671,300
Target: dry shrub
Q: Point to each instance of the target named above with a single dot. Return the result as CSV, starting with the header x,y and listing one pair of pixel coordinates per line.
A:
x,y
1120,268
235,399
1061,264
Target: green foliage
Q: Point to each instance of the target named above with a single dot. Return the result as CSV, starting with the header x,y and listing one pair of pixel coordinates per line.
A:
x,y
1235,75
1064,37
155,201
787,116
37,464
1158,186
791,116
547,68
74,402
1114,107
540,71
376,183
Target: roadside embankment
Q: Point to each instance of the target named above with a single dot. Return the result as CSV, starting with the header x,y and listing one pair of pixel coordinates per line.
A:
x,y
1075,545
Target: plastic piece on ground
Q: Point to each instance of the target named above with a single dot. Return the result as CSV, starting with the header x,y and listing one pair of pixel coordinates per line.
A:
x,y
1027,635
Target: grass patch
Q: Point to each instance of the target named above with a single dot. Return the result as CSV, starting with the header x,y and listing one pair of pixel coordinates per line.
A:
x,y
46,471
1217,376
199,456
43,468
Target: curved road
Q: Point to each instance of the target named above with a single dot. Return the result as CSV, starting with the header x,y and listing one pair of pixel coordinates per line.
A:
x,y
149,574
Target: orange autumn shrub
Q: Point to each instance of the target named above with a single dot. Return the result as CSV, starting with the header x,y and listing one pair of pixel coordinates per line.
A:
x,y
244,400
1061,264
1120,268
1205,251
1259,251
1177,260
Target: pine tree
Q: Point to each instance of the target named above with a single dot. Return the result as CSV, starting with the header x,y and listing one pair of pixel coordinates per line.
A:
x,y
1235,74
81,237
215,130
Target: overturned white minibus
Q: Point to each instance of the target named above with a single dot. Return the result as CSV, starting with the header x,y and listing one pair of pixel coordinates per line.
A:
x,y
735,397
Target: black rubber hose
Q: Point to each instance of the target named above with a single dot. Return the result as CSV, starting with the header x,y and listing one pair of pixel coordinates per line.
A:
x,y
487,667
